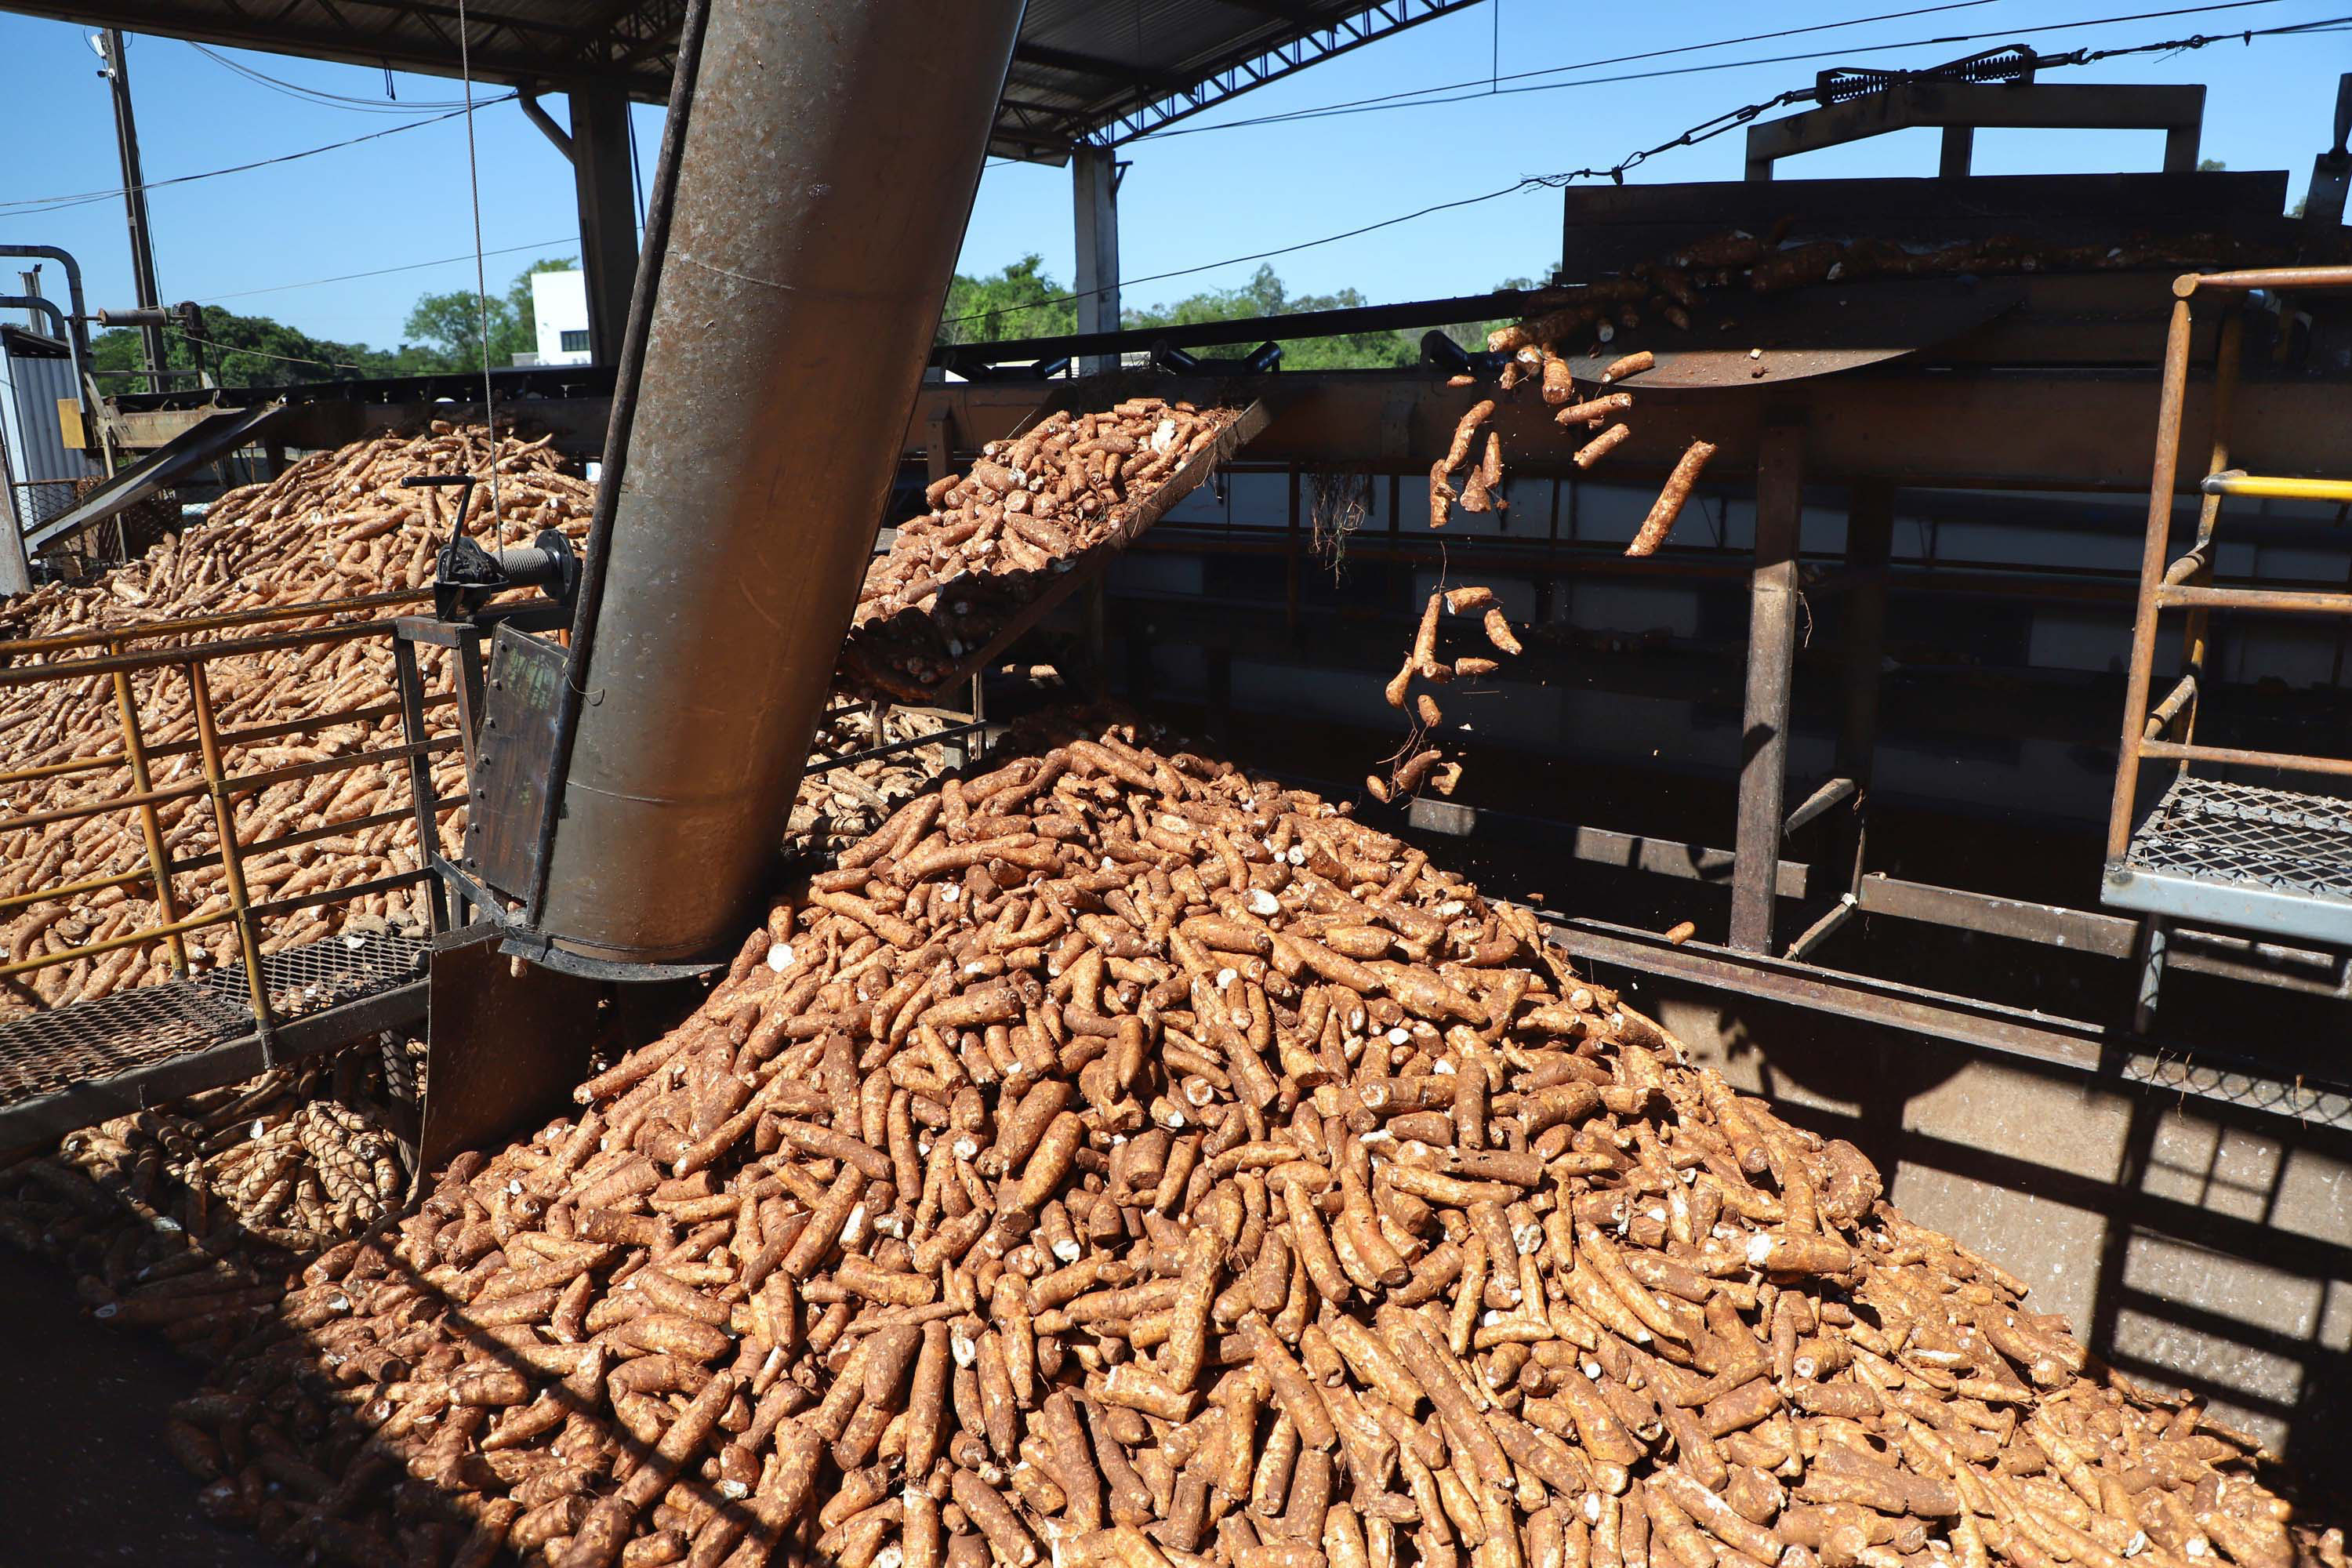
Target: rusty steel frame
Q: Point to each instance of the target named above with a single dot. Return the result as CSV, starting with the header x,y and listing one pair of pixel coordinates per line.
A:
x,y
232,857
211,744
190,625
2185,582
150,825
2069,1044
259,732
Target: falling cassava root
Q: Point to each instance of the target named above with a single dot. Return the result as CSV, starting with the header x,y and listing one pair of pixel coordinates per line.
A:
x,y
1123,1161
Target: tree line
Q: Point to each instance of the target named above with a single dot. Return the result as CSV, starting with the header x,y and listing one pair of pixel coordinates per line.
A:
x,y
1021,301
441,336
442,333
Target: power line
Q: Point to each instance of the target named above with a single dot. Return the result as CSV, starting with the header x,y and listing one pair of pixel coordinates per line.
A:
x,y
382,271
1704,131
1530,182
1418,98
53,203
1709,129
319,96
1490,84
481,284
263,353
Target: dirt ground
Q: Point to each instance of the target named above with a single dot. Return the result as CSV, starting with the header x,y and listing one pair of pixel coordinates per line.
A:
x,y
86,1480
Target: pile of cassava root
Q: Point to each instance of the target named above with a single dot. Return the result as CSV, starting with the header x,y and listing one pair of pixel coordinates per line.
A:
x,y
334,525
835,809
296,1159
1122,1161
955,575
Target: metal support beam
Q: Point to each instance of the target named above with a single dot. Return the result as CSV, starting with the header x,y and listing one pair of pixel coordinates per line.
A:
x,y
608,213
2069,1044
1958,152
1771,663
1869,540
1094,185
135,205
536,112
2177,111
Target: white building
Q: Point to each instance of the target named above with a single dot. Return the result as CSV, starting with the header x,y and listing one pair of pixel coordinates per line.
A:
x,y
558,302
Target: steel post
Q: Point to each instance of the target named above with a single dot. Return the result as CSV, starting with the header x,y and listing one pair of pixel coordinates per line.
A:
x,y
2162,474
151,826
1772,666
1094,184
608,213
232,857
134,204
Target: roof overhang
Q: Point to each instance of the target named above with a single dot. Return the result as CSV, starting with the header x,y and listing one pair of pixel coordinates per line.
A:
x,y
1083,70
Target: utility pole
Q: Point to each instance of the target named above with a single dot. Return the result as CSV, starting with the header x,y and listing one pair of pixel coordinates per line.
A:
x,y
117,71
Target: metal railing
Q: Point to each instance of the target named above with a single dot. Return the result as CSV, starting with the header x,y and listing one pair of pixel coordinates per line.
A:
x,y
114,654
2186,582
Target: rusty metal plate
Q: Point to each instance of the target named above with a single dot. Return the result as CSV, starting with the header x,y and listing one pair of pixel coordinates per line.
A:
x,y
503,1049
514,760
1745,340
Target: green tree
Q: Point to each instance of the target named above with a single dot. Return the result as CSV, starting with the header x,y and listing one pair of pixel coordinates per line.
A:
x,y
245,350
449,325
1020,301
1263,295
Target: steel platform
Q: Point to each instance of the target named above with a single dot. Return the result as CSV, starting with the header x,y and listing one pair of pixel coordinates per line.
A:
x,y
2242,857
73,1066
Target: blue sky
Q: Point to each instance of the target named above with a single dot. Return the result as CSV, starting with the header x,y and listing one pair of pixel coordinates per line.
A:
x,y
236,240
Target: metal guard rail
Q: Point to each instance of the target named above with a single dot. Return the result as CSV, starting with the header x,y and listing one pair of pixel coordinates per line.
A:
x,y
214,782
2187,583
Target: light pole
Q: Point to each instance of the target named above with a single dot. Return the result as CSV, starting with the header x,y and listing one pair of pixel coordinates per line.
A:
x,y
108,45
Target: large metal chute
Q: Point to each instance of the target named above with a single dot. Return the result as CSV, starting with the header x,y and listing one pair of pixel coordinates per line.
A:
x,y
821,189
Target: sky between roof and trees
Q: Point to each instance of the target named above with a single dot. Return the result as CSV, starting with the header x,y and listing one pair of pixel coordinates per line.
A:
x,y
282,242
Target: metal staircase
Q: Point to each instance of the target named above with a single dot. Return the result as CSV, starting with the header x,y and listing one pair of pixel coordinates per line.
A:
x,y
2213,851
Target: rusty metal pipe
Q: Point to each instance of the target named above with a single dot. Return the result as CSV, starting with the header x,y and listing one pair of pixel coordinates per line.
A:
x,y
823,186
232,859
151,826
2256,601
2264,278
2287,762
2163,470
146,631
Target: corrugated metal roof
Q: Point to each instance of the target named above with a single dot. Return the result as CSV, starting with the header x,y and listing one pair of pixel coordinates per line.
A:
x,y
1100,70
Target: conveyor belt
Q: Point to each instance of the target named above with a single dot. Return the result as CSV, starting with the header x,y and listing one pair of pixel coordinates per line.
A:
x,y
867,656
206,442
80,1064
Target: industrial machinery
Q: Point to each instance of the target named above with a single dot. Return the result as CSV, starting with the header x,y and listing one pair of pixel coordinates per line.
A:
x,y
626,785
635,722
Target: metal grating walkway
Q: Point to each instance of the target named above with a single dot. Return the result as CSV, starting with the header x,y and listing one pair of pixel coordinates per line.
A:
x,y
76,1065
2241,856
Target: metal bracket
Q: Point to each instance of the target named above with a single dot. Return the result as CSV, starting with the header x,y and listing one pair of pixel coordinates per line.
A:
x,y
537,948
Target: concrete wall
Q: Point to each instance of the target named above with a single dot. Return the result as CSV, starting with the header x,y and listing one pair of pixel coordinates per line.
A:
x,y
559,303
2193,1247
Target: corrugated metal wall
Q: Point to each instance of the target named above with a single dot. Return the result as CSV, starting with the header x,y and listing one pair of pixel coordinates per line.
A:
x,y
41,466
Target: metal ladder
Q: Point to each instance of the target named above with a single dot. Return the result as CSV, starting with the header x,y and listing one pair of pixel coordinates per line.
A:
x,y
2274,862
